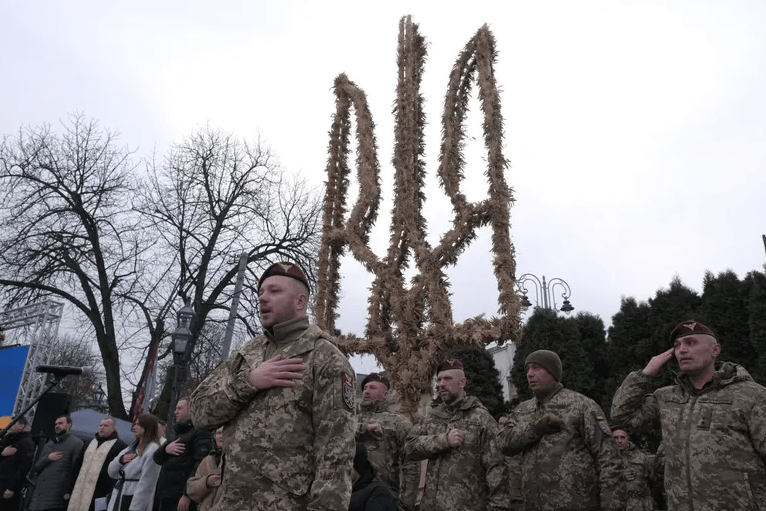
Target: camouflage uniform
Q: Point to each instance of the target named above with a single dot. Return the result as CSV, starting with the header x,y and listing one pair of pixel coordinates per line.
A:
x,y
387,454
714,438
469,477
286,448
636,471
569,469
515,494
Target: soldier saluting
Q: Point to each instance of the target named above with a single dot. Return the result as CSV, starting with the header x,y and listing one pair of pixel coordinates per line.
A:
x,y
713,423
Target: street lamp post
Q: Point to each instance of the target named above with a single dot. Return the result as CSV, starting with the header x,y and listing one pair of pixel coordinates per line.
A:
x,y
182,344
545,296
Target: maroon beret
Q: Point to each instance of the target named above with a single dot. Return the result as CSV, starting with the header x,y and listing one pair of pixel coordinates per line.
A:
x,y
689,328
452,363
286,269
376,377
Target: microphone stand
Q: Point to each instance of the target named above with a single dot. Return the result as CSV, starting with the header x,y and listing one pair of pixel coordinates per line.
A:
x,y
56,381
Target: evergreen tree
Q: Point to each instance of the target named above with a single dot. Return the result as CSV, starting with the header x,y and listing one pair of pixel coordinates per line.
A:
x,y
593,341
724,310
755,283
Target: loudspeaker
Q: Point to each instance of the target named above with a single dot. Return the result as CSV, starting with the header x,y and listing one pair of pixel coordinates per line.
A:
x,y
50,407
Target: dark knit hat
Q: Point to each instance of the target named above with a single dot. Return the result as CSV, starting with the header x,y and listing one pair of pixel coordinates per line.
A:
x,y
689,328
452,363
288,270
376,377
548,360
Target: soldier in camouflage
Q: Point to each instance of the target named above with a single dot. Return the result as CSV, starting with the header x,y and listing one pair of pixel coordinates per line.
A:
x,y
713,424
384,432
563,438
287,403
636,469
513,466
458,437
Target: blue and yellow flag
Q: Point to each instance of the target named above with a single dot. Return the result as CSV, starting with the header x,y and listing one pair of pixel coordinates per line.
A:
x,y
12,362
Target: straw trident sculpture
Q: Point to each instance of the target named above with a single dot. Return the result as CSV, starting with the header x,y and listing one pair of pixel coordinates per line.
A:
x,y
410,329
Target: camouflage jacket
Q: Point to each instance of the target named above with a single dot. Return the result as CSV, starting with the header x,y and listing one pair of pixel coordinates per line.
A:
x,y
300,438
469,477
636,471
387,454
571,469
714,438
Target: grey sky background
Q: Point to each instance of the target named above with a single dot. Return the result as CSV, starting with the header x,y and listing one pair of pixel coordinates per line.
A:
x,y
635,131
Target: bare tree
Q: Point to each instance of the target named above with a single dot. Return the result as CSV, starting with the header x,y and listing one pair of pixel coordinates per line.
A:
x,y
214,197
69,230
86,388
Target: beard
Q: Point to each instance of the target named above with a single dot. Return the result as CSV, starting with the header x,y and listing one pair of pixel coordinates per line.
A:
x,y
449,397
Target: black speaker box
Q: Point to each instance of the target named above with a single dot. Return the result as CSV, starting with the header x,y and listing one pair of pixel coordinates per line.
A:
x,y
50,407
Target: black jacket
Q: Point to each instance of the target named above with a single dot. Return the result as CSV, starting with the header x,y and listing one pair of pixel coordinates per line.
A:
x,y
14,468
177,469
368,492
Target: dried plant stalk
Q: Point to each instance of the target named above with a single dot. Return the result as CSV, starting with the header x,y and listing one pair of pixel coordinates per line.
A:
x,y
411,330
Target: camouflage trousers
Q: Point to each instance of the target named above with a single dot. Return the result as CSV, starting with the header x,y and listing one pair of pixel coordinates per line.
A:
x,y
264,495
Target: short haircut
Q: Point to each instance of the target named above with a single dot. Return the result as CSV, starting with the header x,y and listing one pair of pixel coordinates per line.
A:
x,y
66,416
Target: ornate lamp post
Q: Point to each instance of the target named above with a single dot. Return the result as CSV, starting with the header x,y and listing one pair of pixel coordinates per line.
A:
x,y
545,295
182,344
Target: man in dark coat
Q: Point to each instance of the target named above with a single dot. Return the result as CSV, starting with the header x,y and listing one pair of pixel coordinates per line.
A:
x,y
57,468
93,482
368,492
179,460
17,451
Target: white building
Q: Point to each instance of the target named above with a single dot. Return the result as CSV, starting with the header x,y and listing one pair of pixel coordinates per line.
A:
x,y
503,356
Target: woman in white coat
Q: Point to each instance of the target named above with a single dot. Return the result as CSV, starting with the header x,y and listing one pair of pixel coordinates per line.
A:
x,y
135,470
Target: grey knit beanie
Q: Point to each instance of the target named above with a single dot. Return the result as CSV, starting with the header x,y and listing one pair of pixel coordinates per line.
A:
x,y
548,360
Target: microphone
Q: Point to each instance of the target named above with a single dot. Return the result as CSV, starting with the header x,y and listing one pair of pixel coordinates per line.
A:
x,y
61,371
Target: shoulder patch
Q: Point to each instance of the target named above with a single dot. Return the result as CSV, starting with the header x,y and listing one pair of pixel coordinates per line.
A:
x,y
347,389
602,423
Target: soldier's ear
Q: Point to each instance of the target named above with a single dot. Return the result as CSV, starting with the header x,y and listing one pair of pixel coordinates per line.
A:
x,y
716,350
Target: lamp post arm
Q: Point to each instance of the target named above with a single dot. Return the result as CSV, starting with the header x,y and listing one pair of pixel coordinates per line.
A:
x,y
567,292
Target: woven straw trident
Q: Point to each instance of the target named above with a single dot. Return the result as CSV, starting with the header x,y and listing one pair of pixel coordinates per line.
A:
x,y
410,329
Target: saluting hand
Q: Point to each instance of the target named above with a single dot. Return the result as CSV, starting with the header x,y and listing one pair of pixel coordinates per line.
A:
x,y
276,372
656,363
55,455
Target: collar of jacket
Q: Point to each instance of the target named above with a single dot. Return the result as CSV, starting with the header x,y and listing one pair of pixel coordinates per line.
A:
x,y
464,404
102,439
183,426
287,331
60,438
725,374
545,395
374,406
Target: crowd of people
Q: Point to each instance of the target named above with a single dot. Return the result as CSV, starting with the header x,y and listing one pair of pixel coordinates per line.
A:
x,y
289,435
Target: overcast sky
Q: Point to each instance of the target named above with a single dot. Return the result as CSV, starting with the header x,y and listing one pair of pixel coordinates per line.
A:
x,y
635,130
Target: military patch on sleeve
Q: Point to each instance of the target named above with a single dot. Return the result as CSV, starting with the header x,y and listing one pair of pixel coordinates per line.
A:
x,y
602,424
347,388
